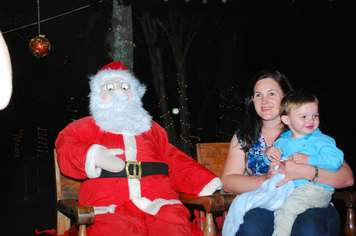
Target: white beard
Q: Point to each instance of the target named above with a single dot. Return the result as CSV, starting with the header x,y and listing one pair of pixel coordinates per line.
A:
x,y
121,116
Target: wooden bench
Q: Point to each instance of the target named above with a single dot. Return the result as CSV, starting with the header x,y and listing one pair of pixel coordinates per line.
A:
x,y
213,155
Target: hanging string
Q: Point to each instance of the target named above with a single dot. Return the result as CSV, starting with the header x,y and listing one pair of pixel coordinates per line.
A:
x,y
38,17
51,18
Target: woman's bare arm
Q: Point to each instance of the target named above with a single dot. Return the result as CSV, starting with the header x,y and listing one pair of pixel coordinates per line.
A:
x,y
340,179
232,176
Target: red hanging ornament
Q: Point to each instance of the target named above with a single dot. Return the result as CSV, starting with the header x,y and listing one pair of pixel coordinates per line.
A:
x,y
39,46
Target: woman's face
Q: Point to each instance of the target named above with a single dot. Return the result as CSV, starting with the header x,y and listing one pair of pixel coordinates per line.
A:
x,y
266,99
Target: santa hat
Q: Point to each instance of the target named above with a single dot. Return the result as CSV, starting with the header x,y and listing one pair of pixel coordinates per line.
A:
x,y
116,65
117,69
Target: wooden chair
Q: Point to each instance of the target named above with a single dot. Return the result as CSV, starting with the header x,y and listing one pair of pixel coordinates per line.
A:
x,y
67,204
213,155
350,200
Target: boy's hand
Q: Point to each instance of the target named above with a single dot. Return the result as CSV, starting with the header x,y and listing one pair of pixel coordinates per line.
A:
x,y
273,153
300,158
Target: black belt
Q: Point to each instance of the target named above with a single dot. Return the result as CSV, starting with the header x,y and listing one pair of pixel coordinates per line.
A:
x,y
136,170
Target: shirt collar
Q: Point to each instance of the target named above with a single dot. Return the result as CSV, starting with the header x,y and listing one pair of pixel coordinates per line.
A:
x,y
288,133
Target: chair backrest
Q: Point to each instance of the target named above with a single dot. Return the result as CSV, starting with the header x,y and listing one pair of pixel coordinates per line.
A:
x,y
67,188
213,155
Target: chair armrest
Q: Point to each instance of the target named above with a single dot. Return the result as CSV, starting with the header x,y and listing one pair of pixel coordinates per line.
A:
x,y
217,202
349,198
83,214
211,203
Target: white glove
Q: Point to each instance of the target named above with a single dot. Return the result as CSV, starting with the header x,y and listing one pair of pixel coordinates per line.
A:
x,y
106,159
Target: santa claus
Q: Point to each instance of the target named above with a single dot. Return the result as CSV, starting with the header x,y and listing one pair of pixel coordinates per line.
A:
x,y
130,171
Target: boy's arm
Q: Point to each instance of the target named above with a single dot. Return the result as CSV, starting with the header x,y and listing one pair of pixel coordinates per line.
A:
x,y
272,153
327,157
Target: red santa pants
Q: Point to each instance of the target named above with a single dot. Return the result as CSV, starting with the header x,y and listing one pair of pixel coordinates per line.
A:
x,y
128,220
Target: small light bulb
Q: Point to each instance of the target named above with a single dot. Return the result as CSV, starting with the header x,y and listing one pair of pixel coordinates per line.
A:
x,y
175,111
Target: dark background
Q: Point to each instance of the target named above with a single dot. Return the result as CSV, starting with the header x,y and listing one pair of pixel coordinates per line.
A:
x,y
312,42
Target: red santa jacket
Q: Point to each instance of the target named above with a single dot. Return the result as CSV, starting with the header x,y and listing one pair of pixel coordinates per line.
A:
x,y
77,145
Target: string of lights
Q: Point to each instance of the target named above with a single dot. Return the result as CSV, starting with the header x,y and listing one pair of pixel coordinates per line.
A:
x,y
119,37
17,139
231,104
183,108
42,141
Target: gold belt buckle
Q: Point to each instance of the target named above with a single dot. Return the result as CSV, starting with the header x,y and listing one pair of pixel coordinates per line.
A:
x,y
136,168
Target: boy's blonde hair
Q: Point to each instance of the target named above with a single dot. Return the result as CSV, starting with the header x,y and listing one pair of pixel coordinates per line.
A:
x,y
295,99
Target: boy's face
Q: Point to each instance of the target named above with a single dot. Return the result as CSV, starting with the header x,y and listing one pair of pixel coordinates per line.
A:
x,y
303,120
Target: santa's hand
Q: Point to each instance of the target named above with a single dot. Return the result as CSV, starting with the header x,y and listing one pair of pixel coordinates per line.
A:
x,y
106,159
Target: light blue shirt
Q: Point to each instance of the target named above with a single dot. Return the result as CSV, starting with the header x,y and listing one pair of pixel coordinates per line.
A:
x,y
321,149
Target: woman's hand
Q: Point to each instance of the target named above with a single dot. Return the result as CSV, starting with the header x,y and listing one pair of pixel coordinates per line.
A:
x,y
291,170
272,169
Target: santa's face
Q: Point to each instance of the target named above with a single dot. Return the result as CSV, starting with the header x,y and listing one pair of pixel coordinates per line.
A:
x,y
115,103
114,86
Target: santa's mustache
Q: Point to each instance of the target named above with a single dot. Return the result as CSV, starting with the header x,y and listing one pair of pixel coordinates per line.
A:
x,y
117,100
122,116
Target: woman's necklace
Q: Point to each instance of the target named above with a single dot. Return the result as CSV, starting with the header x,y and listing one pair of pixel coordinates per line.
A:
x,y
269,139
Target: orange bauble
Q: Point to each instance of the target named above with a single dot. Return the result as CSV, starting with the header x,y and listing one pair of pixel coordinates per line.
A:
x,y
39,46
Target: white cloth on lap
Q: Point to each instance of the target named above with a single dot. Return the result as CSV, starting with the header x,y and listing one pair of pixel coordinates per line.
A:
x,y
267,196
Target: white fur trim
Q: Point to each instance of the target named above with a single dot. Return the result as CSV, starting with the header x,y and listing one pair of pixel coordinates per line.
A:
x,y
211,187
130,147
90,169
136,87
152,207
134,188
146,205
104,209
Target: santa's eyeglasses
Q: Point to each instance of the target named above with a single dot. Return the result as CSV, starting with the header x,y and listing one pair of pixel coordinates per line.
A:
x,y
115,86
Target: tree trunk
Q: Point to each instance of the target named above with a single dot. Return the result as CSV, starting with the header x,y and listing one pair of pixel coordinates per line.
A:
x,y
149,26
180,42
121,35
182,99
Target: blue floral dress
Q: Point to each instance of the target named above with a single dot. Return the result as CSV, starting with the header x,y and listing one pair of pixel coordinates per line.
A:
x,y
255,165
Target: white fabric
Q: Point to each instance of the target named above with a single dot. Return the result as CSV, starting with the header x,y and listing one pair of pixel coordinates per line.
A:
x,y
90,169
267,196
104,209
146,205
211,187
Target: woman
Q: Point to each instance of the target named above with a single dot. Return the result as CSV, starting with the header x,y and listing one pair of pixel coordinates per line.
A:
x,y
260,128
